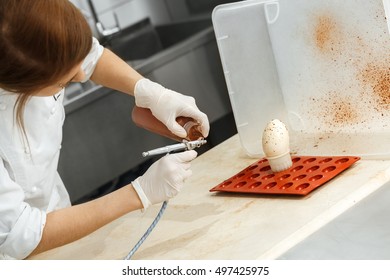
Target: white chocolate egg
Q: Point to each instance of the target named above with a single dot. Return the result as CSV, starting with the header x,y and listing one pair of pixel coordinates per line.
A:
x,y
276,145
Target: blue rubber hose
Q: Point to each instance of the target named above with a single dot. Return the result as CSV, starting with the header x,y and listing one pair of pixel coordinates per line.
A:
x,y
148,231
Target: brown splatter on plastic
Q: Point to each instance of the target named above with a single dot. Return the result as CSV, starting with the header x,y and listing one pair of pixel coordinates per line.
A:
x,y
326,34
362,99
343,112
377,77
335,111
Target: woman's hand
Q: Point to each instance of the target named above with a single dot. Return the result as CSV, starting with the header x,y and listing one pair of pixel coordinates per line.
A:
x,y
166,105
164,178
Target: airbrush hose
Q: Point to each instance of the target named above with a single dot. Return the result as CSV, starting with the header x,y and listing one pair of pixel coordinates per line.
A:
x,y
148,231
185,145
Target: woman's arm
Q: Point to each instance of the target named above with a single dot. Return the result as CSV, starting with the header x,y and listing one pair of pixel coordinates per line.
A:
x,y
72,223
166,105
112,72
162,181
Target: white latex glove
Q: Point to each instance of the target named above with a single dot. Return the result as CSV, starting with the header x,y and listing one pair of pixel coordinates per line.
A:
x,y
166,105
164,178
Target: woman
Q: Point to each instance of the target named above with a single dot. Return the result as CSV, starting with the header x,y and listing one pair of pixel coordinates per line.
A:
x,y
45,44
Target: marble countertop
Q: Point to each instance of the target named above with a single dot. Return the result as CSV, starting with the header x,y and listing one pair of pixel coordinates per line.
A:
x,y
199,224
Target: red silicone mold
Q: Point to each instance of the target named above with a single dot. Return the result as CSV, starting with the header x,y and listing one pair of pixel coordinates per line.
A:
x,y
306,174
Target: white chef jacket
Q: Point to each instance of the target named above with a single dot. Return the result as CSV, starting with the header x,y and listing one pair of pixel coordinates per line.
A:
x,y
30,186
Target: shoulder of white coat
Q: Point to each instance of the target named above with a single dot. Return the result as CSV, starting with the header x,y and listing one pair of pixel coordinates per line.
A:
x,y
92,59
7,104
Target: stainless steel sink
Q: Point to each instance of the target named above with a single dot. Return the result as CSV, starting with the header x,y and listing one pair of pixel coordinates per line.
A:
x,y
143,40
100,141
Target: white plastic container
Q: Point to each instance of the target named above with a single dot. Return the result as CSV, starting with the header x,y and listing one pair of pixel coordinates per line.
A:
x,y
321,67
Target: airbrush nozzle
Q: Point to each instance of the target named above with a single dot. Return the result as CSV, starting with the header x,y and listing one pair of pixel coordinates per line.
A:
x,y
185,145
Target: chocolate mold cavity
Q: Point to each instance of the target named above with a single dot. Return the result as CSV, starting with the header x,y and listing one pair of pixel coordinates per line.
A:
x,y
297,168
303,186
240,184
286,186
309,160
325,160
255,185
300,177
343,160
312,169
329,169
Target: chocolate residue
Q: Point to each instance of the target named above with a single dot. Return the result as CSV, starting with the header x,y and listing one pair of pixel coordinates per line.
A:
x,y
343,112
378,79
336,111
356,66
326,34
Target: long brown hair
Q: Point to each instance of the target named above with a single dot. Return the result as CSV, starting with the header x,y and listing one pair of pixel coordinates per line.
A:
x,y
40,42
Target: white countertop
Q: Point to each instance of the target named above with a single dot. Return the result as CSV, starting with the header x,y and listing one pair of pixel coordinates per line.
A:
x,y
201,225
